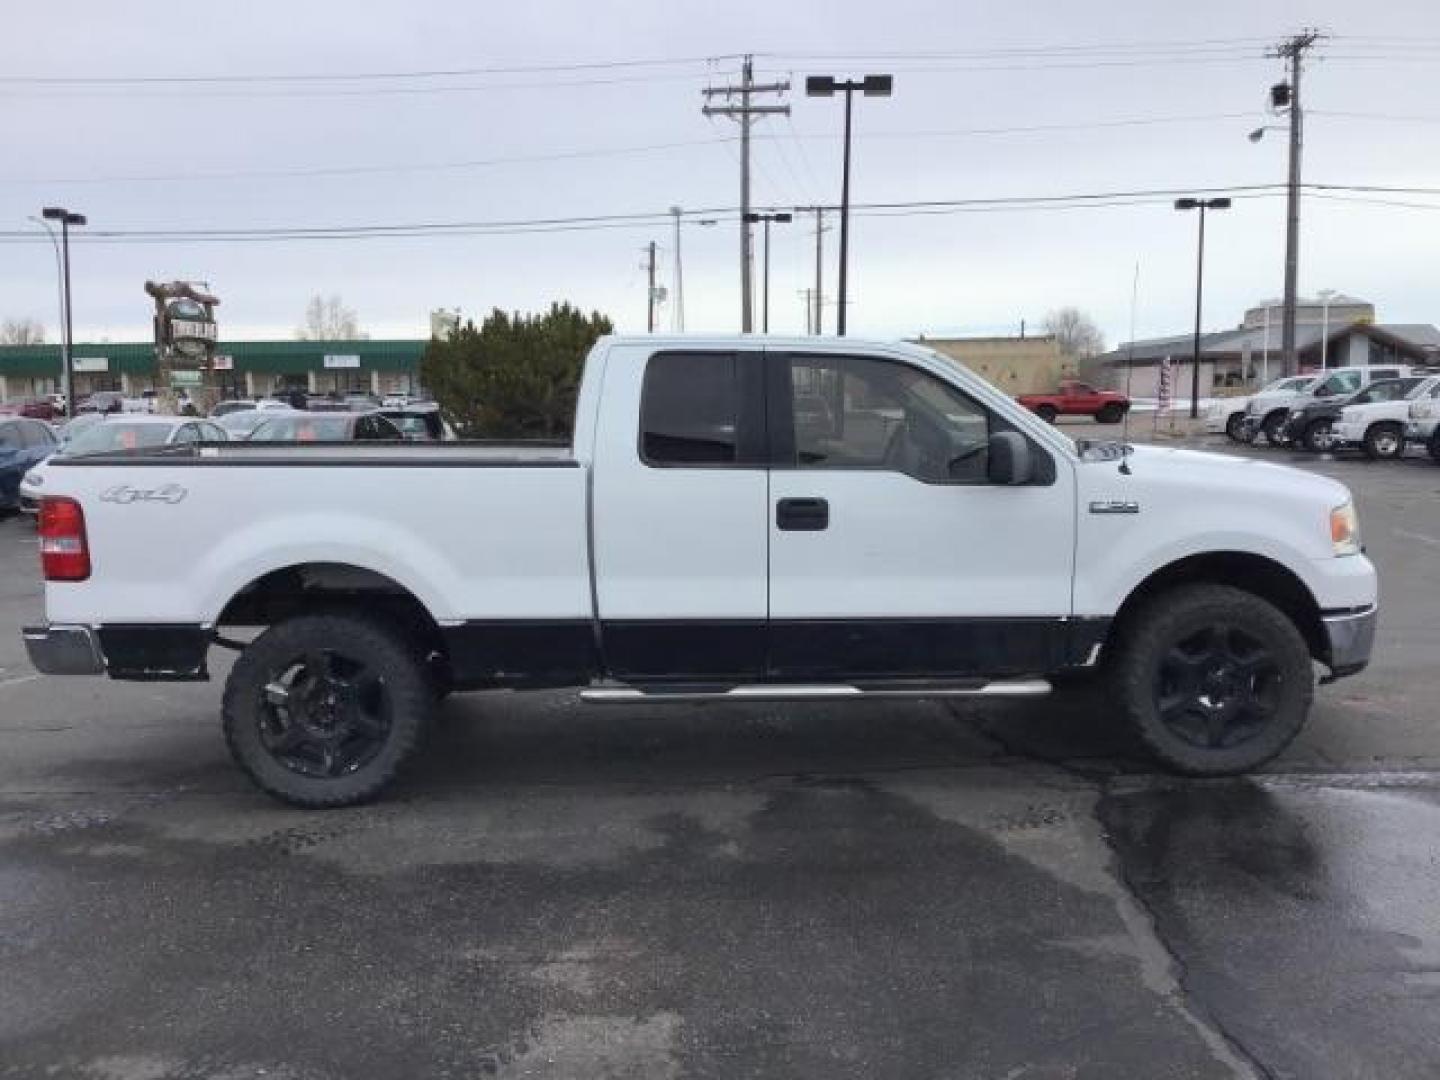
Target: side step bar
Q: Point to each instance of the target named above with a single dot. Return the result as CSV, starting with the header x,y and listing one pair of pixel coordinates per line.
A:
x,y
655,695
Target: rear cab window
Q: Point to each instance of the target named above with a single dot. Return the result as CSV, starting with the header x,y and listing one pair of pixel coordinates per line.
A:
x,y
702,410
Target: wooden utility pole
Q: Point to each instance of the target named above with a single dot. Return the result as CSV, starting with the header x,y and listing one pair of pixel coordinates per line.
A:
x,y
745,113
1292,50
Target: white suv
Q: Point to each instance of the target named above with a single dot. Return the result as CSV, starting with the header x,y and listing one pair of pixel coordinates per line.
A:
x,y
1227,414
1374,420
1424,417
1268,413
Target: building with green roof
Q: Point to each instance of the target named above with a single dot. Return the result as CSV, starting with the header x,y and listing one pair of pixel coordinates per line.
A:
x,y
242,368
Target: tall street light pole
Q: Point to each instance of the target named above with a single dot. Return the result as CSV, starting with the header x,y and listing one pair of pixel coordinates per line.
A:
x,y
766,219
60,297
1202,205
825,86
66,219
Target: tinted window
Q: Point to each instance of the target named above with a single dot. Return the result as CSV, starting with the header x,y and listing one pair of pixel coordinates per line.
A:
x,y
1342,382
690,409
188,433
855,412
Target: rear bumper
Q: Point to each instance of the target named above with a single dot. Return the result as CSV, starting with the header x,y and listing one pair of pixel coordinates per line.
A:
x,y
143,652
1351,636
64,650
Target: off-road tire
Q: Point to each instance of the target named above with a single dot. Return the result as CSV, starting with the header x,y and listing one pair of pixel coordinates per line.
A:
x,y
1172,618
1316,437
1273,428
1110,414
393,659
1376,438
1234,427
1048,413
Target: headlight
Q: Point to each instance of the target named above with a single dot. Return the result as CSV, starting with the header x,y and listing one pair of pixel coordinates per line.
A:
x,y
1345,530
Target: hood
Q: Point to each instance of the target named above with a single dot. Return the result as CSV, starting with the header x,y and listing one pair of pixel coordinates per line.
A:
x,y
1199,468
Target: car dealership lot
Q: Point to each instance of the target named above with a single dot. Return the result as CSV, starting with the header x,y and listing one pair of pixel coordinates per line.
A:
x,y
817,890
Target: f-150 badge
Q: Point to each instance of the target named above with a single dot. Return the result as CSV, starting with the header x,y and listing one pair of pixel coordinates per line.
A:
x,y
1114,506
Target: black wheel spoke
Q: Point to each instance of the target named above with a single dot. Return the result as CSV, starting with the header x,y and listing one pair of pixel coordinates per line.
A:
x,y
1217,687
324,714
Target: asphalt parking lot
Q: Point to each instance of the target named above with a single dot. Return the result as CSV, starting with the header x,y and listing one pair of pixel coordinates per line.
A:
x,y
926,890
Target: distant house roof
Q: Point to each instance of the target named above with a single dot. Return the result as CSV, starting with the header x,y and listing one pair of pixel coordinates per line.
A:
x,y
1416,338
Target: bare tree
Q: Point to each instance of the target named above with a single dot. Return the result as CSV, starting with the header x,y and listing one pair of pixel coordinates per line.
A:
x,y
328,319
22,332
1076,333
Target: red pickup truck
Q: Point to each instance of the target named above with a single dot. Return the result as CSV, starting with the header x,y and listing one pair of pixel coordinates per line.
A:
x,y
1078,399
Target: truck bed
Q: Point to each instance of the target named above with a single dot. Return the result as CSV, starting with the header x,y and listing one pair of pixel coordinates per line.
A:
x,y
471,530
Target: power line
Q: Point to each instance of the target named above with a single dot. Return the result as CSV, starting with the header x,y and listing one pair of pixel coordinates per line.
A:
x,y
307,77
1069,200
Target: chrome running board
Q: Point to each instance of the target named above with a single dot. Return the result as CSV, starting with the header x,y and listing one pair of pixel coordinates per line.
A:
x,y
660,694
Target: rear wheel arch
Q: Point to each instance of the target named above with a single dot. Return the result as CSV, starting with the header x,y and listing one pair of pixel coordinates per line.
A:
x,y
313,588
1258,575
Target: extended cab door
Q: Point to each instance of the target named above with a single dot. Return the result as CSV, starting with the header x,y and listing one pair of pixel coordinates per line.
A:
x,y
679,514
891,553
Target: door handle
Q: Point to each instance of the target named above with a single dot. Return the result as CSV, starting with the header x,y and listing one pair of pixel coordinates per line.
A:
x,y
802,515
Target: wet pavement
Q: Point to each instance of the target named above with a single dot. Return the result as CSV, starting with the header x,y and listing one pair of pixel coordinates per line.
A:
x,y
808,891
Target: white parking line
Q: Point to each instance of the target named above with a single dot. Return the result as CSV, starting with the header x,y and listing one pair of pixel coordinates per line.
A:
x,y
1408,535
18,680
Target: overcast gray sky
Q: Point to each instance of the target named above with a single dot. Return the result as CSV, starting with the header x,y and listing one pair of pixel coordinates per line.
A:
x,y
603,140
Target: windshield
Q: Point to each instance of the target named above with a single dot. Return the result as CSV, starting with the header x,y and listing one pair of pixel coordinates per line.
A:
x,y
1298,383
118,435
244,422
303,427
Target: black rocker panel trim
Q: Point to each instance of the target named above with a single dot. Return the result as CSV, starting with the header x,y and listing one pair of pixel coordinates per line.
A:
x,y
867,649
685,650
155,652
524,653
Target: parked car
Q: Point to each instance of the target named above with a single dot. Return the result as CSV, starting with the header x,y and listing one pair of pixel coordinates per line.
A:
x,y
225,408
1075,398
418,423
699,540
1373,421
103,401
1311,421
1268,413
140,431
33,408
1422,426
1227,415
324,427
239,425
24,443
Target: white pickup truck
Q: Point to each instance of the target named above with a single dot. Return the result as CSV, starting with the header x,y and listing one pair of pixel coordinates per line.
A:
x,y
736,519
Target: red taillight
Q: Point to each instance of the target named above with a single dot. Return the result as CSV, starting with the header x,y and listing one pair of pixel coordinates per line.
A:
x,y
64,550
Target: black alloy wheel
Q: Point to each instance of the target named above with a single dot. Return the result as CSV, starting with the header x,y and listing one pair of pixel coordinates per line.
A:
x,y
1218,688
326,710
324,714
